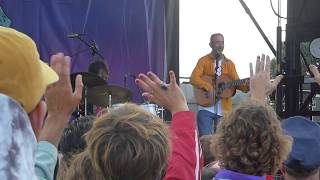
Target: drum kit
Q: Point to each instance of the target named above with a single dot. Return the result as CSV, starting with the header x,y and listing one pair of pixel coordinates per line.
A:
x,y
98,93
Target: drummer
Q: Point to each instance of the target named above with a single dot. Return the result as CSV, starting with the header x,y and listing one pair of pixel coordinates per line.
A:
x,y
99,68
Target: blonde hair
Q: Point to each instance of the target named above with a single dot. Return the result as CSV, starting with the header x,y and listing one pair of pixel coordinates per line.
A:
x,y
128,143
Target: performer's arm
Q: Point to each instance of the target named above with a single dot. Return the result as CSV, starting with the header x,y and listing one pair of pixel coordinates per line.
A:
x,y
196,80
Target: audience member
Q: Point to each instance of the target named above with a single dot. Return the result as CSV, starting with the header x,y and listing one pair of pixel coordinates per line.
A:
x,y
185,162
25,78
82,168
315,72
208,171
127,143
18,142
208,156
260,85
303,162
72,141
249,143
130,143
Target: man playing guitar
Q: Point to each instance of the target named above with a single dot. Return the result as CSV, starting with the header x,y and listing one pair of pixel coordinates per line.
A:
x,y
215,66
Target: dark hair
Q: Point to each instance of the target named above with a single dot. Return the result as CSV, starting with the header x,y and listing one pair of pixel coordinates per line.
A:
x,y
208,173
129,143
98,65
208,156
212,36
250,140
72,141
300,172
216,34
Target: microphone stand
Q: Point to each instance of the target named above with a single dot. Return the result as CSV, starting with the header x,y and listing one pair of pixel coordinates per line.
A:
x,y
92,47
215,77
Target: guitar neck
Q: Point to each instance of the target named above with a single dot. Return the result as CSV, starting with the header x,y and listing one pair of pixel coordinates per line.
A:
x,y
236,83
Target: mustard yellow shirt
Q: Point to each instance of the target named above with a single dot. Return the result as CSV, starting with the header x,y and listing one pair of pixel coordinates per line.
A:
x,y
206,67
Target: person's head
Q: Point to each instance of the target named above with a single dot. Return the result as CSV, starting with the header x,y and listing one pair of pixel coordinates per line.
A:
x,y
82,169
99,68
72,141
250,140
303,161
208,173
217,43
23,76
129,143
208,156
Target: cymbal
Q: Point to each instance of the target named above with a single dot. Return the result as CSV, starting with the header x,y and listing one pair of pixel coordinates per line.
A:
x,y
88,79
120,94
99,95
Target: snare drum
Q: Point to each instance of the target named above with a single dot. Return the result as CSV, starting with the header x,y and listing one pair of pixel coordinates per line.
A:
x,y
116,106
152,108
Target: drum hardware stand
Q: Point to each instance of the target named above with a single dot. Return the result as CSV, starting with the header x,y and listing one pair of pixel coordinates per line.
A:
x,y
110,101
85,100
78,114
160,111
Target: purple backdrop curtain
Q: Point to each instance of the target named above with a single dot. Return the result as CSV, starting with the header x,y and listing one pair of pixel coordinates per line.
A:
x,y
130,33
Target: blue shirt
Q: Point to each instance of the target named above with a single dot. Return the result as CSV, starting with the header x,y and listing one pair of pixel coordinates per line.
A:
x,y
46,160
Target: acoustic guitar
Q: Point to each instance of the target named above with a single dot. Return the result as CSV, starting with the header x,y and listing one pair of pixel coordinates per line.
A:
x,y
226,87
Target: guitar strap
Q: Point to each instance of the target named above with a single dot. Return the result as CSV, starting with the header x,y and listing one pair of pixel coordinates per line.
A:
x,y
218,59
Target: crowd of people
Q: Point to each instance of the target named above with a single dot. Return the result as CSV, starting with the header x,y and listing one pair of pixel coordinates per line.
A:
x,y
128,143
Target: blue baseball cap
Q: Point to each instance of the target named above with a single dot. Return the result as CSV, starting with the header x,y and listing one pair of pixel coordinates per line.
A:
x,y
305,153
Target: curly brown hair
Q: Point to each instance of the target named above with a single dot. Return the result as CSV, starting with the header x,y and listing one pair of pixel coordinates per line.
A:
x,y
129,143
250,140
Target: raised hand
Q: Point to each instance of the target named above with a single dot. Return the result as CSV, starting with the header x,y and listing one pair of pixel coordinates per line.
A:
x,y
61,100
59,96
315,72
260,84
169,95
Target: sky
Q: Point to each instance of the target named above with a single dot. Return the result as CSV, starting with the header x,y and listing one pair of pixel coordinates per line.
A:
x,y
243,42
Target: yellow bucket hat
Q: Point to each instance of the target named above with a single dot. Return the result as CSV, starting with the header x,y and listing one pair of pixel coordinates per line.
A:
x,y
23,76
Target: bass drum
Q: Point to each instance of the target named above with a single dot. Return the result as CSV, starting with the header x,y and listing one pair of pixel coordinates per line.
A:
x,y
116,106
152,108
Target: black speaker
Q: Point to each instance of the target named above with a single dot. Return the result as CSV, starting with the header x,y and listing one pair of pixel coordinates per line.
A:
x,y
303,12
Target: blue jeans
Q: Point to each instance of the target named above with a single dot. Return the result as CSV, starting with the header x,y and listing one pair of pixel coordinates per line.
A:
x,y
205,122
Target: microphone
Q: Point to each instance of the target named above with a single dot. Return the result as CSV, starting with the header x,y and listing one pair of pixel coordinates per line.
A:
x,y
74,35
132,75
125,80
126,76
